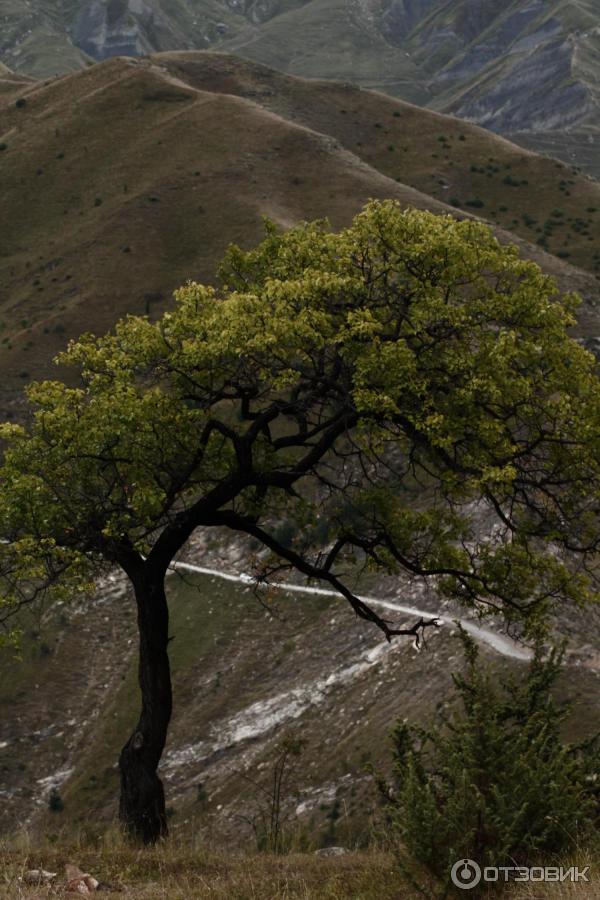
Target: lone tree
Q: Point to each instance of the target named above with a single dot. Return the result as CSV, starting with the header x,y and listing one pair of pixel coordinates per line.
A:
x,y
403,393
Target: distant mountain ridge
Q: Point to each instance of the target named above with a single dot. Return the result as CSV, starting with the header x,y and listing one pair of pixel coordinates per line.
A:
x,y
527,70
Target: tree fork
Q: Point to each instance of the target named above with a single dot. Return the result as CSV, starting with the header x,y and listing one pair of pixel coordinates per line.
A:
x,y
142,801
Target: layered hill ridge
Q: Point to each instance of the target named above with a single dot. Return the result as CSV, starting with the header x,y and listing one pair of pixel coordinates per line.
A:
x,y
529,70
122,181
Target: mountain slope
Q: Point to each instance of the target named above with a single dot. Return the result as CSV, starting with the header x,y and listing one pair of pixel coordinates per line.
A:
x,y
35,38
123,180
538,199
527,70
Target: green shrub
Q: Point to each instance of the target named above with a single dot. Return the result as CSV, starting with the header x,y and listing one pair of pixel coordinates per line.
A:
x,y
493,782
55,802
476,203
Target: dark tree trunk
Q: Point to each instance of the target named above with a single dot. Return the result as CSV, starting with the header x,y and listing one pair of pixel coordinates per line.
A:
x,y
142,802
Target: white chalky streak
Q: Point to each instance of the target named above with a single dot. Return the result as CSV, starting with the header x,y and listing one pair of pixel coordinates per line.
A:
x,y
502,644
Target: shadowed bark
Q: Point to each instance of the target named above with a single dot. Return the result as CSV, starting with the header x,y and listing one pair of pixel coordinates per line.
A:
x,y
142,802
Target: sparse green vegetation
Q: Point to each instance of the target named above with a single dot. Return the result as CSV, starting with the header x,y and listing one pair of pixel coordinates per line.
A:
x,y
493,782
55,803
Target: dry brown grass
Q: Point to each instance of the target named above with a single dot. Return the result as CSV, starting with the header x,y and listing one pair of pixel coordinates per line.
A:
x,y
174,871
443,157
178,870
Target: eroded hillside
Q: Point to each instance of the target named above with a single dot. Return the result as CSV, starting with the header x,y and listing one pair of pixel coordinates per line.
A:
x,y
248,670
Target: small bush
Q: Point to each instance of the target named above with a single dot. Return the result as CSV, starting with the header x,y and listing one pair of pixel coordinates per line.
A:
x,y
494,782
55,802
21,102
477,203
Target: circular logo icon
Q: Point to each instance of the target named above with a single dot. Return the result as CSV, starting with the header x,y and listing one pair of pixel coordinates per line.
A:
x,y
465,874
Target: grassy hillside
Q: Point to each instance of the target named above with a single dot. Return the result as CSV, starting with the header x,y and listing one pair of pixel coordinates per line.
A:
x,y
541,200
530,71
525,70
122,181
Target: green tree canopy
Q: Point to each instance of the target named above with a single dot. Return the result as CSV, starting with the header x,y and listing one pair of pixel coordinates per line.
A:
x,y
402,394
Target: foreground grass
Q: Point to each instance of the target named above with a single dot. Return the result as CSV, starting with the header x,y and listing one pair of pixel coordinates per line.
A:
x,y
176,871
